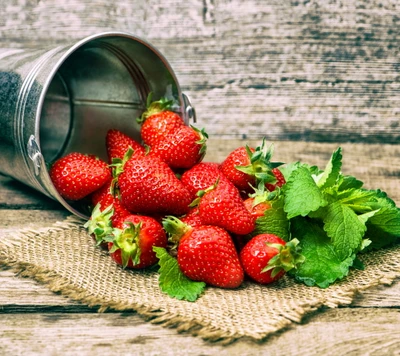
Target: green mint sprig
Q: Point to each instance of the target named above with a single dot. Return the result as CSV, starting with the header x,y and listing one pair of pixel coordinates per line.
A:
x,y
335,218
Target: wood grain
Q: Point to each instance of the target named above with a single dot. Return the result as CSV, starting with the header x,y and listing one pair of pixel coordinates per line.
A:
x,y
297,70
335,332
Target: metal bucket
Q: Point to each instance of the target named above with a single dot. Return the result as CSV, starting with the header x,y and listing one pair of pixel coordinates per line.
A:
x,y
65,99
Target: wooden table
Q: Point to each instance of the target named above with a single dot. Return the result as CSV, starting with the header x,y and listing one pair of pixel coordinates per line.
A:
x,y
37,321
314,72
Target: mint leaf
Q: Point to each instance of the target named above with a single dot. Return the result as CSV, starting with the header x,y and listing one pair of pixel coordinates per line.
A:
x,y
332,170
349,182
302,194
172,281
322,265
359,200
274,221
345,229
383,228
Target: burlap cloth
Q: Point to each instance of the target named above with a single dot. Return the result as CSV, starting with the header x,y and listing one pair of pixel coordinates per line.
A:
x,y
66,259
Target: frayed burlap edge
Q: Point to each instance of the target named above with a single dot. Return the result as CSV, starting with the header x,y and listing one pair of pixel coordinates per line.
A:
x,y
58,284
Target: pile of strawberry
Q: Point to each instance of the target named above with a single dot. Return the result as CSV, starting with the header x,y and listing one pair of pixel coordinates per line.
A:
x,y
157,200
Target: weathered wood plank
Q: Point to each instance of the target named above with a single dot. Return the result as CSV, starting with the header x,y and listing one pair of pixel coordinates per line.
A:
x,y
288,70
335,332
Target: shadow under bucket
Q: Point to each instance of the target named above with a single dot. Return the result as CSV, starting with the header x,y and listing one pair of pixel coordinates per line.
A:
x,y
65,99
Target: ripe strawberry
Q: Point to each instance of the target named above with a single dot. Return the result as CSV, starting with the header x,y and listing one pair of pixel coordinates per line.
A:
x,y
148,186
255,166
183,148
279,178
206,253
266,257
158,121
118,143
76,175
259,201
192,218
132,242
107,211
239,157
201,176
221,205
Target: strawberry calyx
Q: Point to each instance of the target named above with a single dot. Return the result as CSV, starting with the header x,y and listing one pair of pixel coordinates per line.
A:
x,y
126,240
260,165
176,230
201,193
261,195
289,257
203,137
117,164
100,224
154,107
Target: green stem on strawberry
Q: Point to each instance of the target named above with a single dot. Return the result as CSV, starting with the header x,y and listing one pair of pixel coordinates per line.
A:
x,y
288,257
202,141
176,229
99,223
118,164
154,107
262,195
260,165
127,240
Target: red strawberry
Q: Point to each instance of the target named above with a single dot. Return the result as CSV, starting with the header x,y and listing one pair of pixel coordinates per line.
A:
x,y
280,180
181,149
158,121
221,205
209,255
107,195
239,157
201,176
107,211
255,166
192,218
76,175
118,143
148,186
266,257
206,253
133,241
256,209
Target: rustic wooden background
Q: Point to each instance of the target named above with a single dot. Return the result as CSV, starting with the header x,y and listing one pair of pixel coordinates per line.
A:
x,y
296,71
324,71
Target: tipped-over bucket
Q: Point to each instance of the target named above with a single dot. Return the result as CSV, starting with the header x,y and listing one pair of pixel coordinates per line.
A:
x,y
64,99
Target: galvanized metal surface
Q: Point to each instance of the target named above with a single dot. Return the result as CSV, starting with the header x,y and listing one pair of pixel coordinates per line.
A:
x,y
65,99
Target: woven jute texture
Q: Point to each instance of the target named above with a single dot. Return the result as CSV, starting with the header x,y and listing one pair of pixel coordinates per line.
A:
x,y
66,259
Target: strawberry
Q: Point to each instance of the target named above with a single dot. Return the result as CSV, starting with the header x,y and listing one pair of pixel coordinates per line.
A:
x,y
206,254
107,211
118,143
239,157
221,205
201,176
76,175
108,195
183,148
158,121
279,178
259,201
254,166
266,257
132,242
192,218
256,209
148,186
